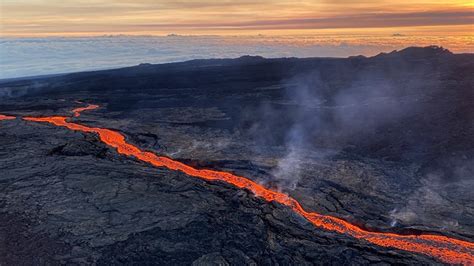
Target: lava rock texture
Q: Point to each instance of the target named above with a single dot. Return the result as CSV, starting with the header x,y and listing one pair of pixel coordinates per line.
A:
x,y
385,142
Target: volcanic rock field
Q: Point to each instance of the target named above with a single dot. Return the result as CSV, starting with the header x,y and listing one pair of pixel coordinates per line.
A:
x,y
383,143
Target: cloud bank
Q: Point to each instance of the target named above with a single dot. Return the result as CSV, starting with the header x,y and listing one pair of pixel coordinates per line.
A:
x,y
21,57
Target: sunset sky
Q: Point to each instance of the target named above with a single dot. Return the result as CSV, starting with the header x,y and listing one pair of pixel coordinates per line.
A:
x,y
226,17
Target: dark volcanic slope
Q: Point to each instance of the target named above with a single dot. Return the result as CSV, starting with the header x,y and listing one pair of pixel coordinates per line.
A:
x,y
382,141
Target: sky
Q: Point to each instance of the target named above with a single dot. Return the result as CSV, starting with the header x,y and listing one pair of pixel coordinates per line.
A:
x,y
40,37
233,17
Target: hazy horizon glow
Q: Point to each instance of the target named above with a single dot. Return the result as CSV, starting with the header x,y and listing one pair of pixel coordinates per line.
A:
x,y
20,57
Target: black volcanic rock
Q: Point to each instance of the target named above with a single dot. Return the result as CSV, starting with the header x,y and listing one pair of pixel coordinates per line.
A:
x,y
84,147
418,52
384,142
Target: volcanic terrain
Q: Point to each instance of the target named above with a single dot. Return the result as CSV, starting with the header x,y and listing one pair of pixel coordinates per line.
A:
x,y
242,161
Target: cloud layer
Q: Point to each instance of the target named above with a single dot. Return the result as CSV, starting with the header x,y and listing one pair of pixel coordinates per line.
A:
x,y
37,56
80,17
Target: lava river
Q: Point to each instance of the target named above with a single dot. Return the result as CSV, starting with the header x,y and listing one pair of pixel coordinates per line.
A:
x,y
6,117
444,248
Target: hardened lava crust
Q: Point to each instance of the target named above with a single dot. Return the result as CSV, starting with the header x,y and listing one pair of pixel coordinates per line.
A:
x,y
382,143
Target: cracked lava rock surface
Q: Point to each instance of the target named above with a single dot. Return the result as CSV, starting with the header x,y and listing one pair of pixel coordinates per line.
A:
x,y
387,147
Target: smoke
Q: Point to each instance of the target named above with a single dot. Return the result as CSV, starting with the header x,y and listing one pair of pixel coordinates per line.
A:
x,y
287,122
437,200
22,90
288,170
301,95
7,93
318,114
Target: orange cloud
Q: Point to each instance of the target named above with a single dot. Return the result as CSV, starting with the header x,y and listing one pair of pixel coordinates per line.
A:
x,y
55,17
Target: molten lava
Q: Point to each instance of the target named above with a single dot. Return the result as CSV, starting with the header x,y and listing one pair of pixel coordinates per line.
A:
x,y
77,111
447,249
6,117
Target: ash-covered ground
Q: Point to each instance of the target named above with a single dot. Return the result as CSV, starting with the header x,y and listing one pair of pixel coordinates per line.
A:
x,y
384,142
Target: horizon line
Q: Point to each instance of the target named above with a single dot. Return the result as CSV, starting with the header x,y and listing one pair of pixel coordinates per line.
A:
x,y
12,79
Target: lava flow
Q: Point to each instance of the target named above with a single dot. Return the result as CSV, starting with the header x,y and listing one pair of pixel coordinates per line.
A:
x,y
444,248
6,117
77,111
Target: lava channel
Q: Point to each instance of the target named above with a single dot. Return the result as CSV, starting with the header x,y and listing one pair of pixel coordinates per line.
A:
x,y
6,117
77,112
446,249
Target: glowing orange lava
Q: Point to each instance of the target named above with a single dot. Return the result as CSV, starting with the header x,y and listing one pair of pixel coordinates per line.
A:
x,y
444,248
6,117
77,111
